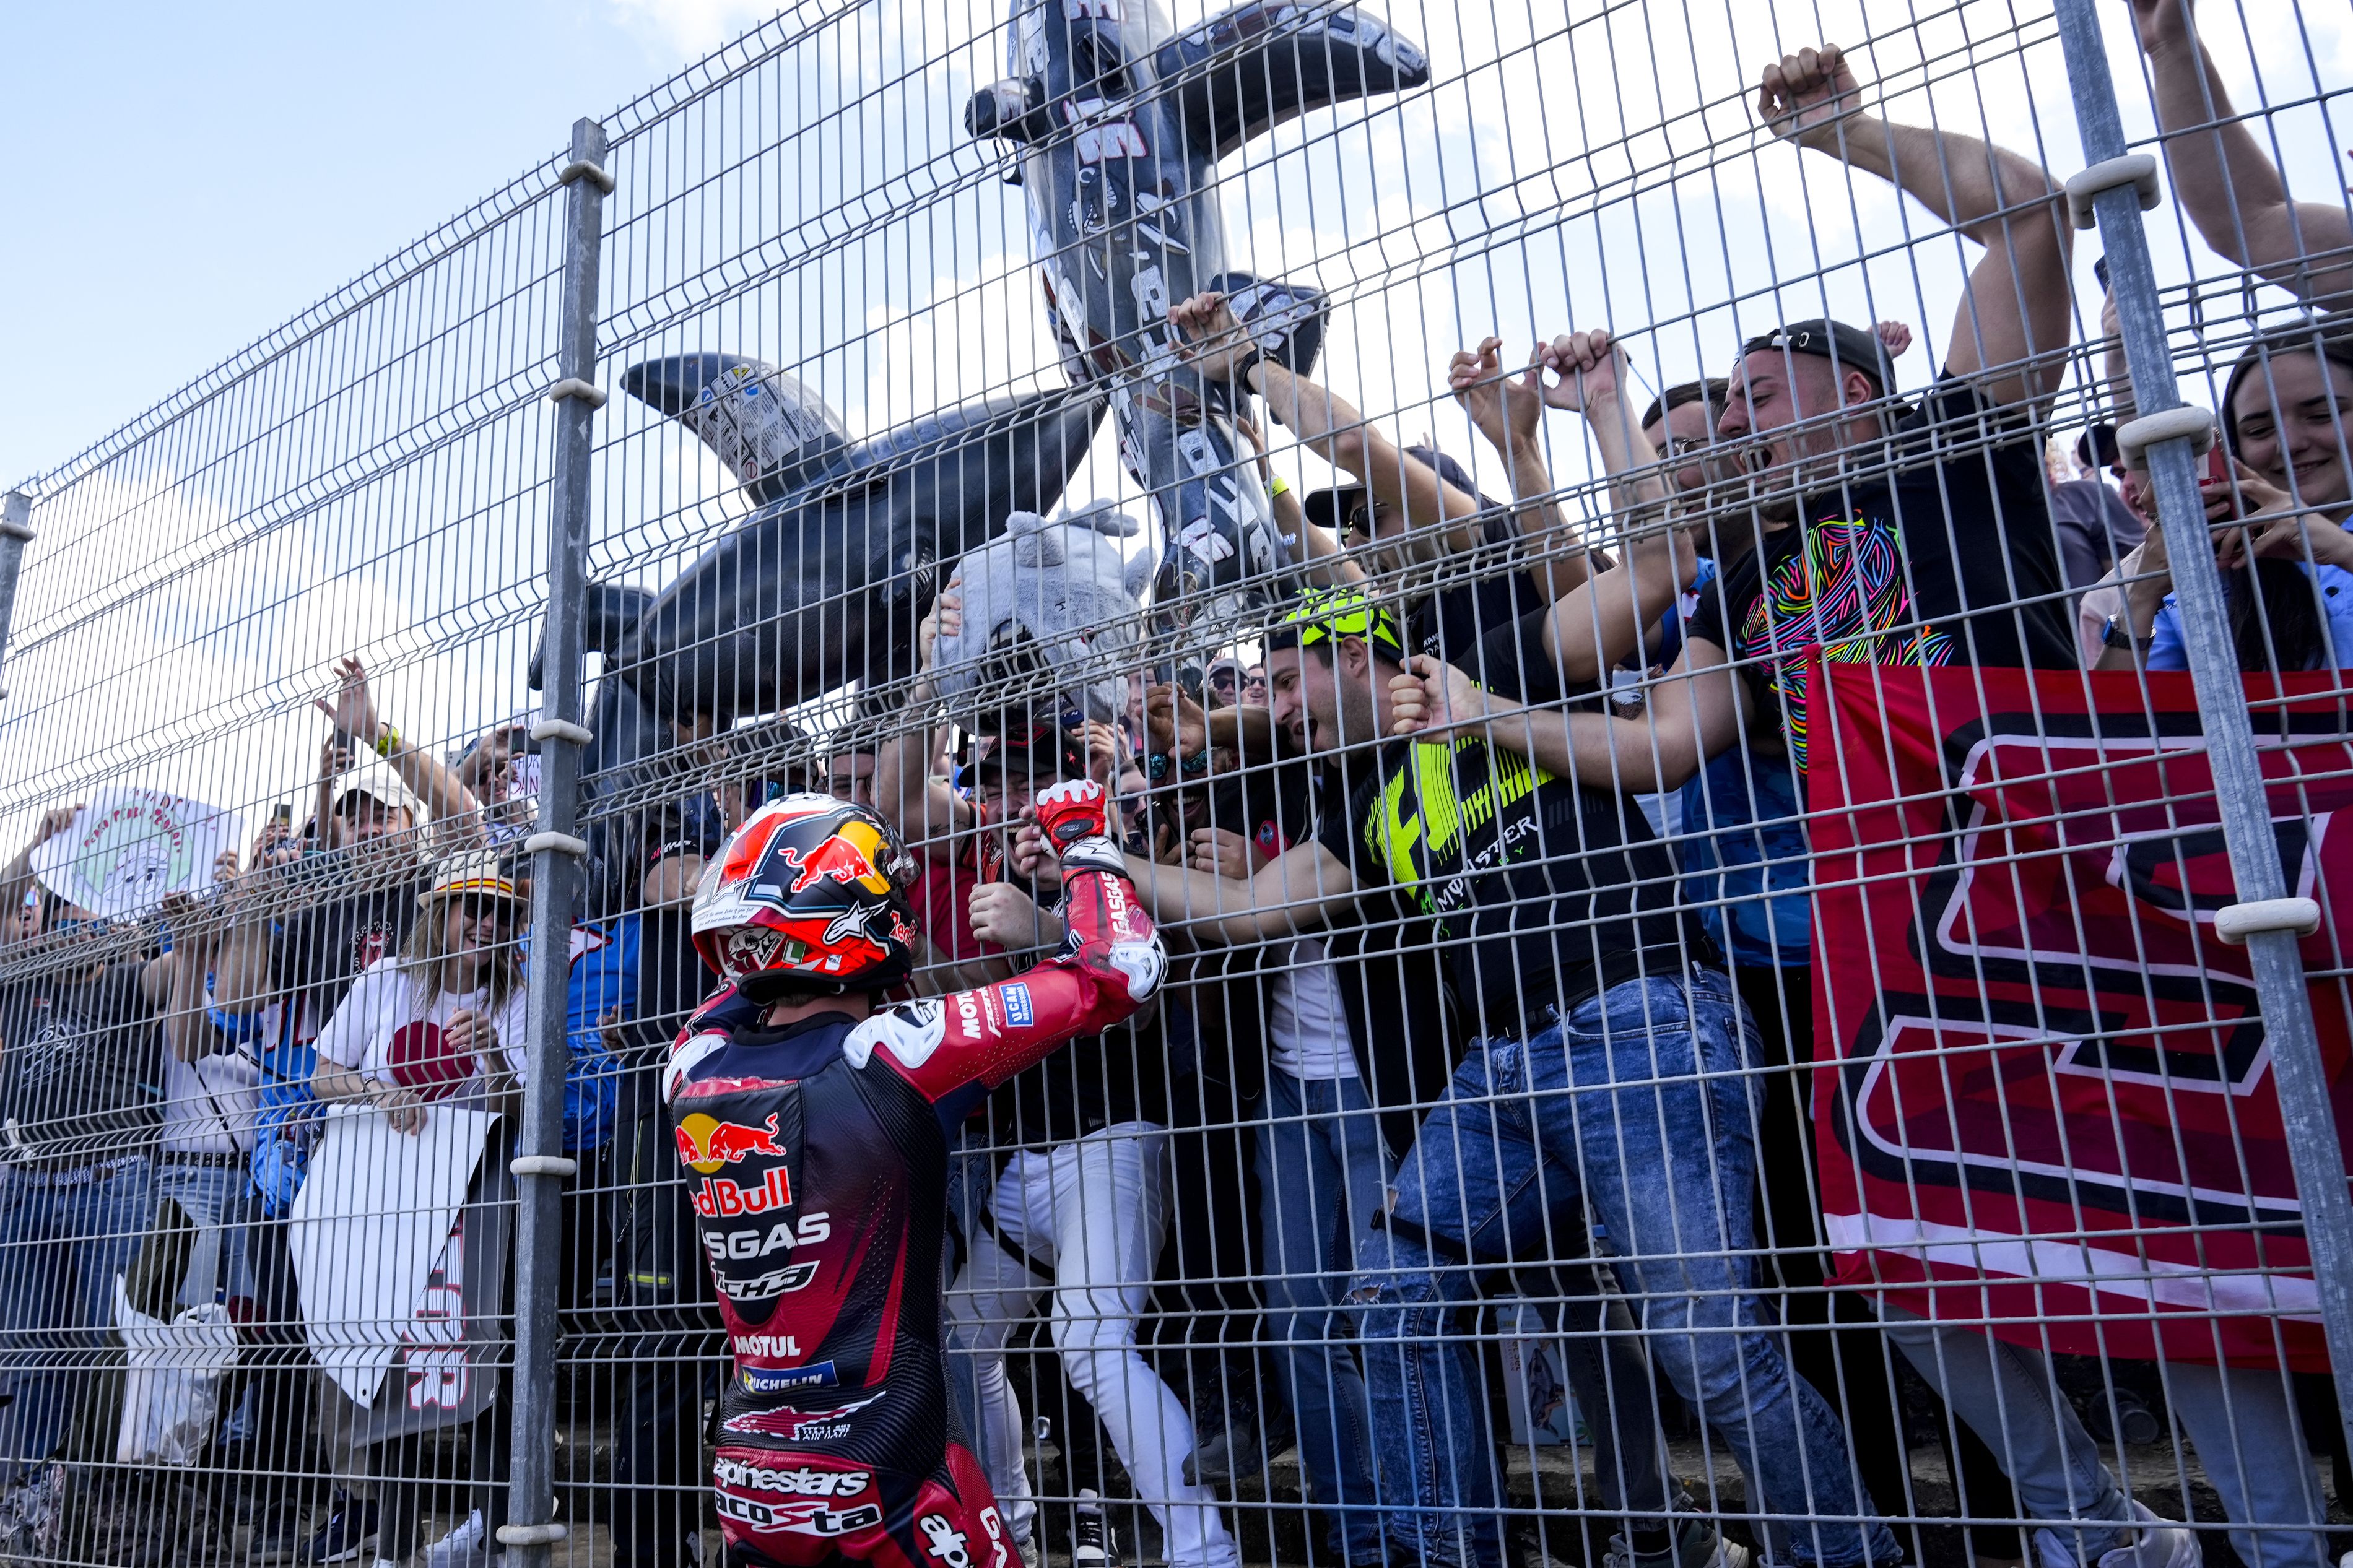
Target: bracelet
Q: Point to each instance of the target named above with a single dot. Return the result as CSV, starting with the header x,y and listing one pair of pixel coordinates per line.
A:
x,y
1282,487
387,742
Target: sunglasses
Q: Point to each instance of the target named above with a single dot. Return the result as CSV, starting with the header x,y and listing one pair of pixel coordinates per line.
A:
x,y
499,911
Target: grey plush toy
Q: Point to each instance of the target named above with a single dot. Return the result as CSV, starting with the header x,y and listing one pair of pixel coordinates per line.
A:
x,y
1053,596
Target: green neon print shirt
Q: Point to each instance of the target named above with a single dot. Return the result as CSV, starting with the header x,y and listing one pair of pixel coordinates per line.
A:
x,y
1541,892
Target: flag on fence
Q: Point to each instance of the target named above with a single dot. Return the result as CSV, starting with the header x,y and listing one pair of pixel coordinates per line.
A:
x,y
2047,1098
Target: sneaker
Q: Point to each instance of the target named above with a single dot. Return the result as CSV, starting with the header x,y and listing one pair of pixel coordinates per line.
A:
x,y
2158,1543
1697,1544
278,1536
1241,1445
1092,1544
468,1546
350,1530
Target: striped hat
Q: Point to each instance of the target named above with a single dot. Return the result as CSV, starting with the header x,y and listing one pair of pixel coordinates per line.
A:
x,y
479,872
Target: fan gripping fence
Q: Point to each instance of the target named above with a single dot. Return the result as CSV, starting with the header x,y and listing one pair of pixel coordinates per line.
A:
x,y
1926,1149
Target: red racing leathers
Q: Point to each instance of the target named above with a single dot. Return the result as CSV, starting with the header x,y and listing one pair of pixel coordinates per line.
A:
x,y
816,1157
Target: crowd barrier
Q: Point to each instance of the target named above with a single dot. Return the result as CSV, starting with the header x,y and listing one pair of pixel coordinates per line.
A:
x,y
1751,972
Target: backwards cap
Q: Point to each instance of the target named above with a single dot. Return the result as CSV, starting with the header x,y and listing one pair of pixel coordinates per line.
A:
x,y
1328,614
1846,347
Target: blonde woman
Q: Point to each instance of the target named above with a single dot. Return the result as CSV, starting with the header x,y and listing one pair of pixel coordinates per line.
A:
x,y
439,1026
444,1016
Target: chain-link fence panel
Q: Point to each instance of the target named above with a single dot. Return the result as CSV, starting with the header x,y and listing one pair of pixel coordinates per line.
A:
x,y
1323,786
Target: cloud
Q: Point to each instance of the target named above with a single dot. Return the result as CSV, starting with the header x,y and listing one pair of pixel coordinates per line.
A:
x,y
688,30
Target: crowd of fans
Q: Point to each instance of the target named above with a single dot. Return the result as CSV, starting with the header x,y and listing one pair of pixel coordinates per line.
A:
x,y
1484,864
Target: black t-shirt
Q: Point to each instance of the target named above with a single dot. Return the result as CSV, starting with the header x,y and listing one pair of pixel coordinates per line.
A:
x,y
1270,805
630,844
323,948
1383,955
1878,575
81,1074
1545,893
1453,621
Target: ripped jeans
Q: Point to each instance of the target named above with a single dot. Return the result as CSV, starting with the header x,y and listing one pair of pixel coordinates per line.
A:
x,y
1637,1106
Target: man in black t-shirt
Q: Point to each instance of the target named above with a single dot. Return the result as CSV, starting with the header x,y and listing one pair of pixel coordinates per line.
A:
x,y
1920,536
82,1085
1555,912
1923,535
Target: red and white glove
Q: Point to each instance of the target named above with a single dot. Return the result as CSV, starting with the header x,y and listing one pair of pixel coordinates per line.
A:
x,y
1073,817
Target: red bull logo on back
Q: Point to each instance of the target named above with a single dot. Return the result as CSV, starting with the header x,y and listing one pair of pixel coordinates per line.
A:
x,y
705,1143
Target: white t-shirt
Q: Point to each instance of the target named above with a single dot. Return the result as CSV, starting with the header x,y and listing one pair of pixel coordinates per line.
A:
x,y
209,1104
1307,1017
384,1031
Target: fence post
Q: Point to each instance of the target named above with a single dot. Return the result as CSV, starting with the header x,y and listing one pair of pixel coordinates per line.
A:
x,y
2115,189
15,532
556,854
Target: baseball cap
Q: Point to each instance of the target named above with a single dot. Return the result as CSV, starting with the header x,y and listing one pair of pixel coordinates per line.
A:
x,y
477,873
1330,509
1233,665
1041,747
378,782
1848,348
1328,614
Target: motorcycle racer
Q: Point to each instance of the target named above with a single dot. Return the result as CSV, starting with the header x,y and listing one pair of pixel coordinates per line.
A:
x,y
813,1123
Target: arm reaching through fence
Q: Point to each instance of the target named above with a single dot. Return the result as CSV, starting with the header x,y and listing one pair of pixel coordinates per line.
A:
x,y
2231,191
2015,307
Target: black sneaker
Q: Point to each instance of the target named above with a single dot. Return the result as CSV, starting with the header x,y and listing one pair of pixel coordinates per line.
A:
x,y
350,1530
1092,1544
278,1535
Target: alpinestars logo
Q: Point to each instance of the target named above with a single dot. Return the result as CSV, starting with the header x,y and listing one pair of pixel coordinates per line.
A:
x,y
943,1542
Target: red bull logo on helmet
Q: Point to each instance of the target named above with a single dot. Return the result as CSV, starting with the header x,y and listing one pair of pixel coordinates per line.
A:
x,y
705,1143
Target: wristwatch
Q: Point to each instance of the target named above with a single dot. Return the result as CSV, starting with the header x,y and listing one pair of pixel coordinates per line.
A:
x,y
1242,368
2117,635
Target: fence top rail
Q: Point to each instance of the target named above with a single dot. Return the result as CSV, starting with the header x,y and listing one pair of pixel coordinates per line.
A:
x,y
728,63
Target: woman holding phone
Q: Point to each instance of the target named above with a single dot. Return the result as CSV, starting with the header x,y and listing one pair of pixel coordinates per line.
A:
x,y
2278,493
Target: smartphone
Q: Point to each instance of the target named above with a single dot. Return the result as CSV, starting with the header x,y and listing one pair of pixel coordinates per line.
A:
x,y
2100,271
282,811
2217,469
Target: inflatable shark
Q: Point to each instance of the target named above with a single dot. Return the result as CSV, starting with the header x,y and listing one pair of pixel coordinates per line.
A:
x,y
828,580
1119,120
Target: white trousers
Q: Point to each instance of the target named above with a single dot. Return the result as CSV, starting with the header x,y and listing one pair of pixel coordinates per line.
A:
x,y
1094,1213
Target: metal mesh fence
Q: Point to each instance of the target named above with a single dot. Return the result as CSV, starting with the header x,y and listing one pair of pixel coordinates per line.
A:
x,y
1710,938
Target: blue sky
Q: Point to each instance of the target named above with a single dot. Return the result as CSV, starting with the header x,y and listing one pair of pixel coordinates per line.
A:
x,y
182,178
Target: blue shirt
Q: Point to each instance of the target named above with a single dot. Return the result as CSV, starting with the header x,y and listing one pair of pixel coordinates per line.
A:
x,y
1743,849
2336,586
604,978
1743,860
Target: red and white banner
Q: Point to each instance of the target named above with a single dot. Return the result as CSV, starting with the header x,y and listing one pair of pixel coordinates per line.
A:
x,y
2047,1099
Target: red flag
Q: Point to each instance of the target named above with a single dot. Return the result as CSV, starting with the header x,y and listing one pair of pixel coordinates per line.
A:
x,y
2047,1098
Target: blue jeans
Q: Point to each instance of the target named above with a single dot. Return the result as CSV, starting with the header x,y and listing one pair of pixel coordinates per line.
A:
x,y
2241,1421
62,1242
1322,1172
219,1202
1639,1106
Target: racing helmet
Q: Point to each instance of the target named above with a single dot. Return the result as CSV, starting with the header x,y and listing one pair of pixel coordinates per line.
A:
x,y
810,894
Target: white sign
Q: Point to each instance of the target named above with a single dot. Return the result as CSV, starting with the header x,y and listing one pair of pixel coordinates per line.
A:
x,y
368,1229
128,848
